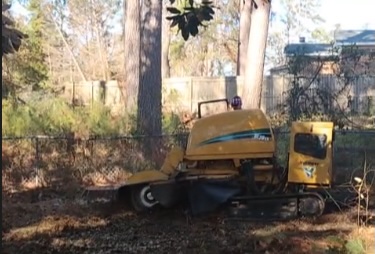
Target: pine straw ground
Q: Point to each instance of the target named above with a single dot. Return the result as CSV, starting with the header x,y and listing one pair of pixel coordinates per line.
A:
x,y
53,222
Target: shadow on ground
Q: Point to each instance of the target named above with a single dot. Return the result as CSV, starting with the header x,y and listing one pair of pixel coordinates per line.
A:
x,y
55,222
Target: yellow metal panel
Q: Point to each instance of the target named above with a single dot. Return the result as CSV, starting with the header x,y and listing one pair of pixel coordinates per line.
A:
x,y
307,169
213,171
237,156
146,176
232,134
171,161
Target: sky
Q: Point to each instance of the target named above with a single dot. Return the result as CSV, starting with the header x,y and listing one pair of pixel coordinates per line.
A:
x,y
350,16
344,12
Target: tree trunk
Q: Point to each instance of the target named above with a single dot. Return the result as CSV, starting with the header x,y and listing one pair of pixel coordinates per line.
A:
x,y
150,89
165,66
132,54
245,22
252,89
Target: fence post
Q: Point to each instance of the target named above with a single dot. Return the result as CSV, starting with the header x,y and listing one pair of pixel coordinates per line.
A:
x,y
36,168
191,94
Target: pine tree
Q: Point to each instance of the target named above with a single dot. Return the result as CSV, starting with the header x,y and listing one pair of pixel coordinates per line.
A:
x,y
35,70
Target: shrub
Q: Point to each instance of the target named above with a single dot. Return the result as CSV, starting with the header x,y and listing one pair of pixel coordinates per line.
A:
x,y
54,116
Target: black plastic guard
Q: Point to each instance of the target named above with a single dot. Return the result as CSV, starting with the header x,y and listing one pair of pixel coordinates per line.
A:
x,y
167,193
206,196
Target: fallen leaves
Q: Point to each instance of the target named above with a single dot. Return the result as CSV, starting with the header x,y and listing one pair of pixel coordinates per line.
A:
x,y
64,226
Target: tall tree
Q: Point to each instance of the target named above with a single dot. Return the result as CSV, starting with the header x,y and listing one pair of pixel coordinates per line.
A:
x,y
102,13
59,44
83,43
36,71
165,67
189,21
150,88
252,89
245,22
132,53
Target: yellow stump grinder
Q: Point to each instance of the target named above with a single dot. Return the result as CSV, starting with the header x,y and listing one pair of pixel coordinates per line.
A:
x,y
230,161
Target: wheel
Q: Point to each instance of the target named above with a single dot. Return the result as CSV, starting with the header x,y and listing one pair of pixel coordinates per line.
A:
x,y
142,199
312,207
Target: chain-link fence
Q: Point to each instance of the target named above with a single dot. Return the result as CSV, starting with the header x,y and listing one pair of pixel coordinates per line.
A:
x,y
53,161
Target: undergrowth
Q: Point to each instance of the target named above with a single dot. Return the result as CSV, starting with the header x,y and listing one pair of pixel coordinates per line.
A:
x,y
53,116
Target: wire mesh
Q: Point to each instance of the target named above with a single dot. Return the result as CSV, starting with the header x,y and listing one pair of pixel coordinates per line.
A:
x,y
46,160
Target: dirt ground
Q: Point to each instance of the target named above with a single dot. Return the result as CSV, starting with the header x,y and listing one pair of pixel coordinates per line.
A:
x,y
59,222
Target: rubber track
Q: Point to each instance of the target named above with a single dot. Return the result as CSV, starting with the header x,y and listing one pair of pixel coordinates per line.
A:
x,y
276,207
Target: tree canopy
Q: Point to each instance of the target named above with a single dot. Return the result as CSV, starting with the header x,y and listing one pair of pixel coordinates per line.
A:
x,y
188,15
11,38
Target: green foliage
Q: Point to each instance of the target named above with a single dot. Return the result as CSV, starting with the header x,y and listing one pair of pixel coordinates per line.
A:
x,y
177,49
369,109
11,38
190,16
28,69
35,70
51,116
355,246
172,124
15,119
98,120
208,54
54,116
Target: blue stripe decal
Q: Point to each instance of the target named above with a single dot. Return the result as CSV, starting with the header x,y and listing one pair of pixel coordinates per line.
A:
x,y
238,135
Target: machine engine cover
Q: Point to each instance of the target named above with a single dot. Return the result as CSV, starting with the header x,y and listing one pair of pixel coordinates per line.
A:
x,y
232,134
